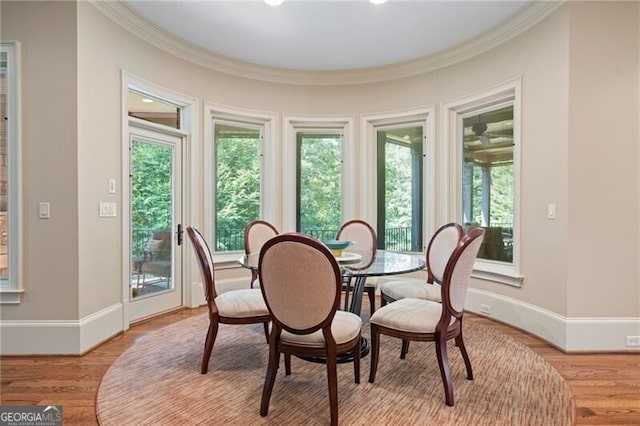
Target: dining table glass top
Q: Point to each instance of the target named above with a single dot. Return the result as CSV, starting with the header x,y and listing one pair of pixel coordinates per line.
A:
x,y
366,264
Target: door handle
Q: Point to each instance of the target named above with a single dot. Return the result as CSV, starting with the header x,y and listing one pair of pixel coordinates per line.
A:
x,y
179,234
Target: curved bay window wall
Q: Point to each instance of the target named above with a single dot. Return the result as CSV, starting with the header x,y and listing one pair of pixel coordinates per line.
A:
x,y
488,180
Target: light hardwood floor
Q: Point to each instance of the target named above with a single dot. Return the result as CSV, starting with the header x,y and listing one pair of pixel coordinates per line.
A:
x,y
606,387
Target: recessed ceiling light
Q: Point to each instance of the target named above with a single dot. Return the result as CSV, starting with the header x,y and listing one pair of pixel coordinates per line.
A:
x,y
377,1
147,100
273,2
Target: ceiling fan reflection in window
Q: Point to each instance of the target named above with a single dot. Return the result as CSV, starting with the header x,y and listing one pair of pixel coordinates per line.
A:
x,y
489,130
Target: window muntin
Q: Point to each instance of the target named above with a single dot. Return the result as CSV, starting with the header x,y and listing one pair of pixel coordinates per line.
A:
x,y
400,187
237,182
488,179
318,183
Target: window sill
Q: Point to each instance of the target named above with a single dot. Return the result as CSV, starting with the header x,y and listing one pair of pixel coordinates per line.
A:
x,y
11,297
497,272
228,260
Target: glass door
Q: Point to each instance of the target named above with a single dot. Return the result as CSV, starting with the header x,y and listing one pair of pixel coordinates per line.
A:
x,y
155,223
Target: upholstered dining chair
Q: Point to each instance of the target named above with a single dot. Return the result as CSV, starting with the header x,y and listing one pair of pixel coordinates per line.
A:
x,y
256,233
440,247
426,320
245,306
301,283
364,242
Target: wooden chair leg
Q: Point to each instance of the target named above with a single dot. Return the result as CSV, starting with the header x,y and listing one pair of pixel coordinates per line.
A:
x,y
332,379
445,371
375,351
208,344
383,301
356,361
405,348
270,379
465,356
287,364
266,330
371,292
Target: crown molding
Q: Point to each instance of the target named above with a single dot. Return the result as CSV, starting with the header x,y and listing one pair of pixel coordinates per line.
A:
x,y
120,13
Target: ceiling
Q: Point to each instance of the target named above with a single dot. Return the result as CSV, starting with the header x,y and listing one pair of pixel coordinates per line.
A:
x,y
307,35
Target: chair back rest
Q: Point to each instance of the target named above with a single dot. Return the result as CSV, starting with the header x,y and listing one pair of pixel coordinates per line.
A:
x,y
361,234
256,233
458,272
442,244
301,282
205,261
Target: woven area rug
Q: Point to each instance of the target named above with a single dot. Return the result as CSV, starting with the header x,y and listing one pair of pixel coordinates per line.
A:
x,y
158,382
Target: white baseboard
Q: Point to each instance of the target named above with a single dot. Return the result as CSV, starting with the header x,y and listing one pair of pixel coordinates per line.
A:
x,y
75,337
72,337
567,334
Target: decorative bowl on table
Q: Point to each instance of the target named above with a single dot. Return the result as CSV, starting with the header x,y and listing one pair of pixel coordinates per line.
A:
x,y
337,246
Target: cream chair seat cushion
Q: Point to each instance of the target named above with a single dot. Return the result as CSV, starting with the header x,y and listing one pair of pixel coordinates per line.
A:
x,y
241,303
413,288
371,282
411,315
345,327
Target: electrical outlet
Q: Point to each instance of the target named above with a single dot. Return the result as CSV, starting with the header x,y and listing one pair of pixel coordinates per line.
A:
x,y
485,309
633,340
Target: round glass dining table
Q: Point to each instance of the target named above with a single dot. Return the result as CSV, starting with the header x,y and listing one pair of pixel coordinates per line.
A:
x,y
356,267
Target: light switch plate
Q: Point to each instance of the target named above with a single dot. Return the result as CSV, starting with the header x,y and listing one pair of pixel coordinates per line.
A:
x,y
112,186
44,210
107,209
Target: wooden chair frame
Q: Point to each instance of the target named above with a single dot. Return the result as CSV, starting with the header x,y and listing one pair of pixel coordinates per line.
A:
x,y
203,254
449,326
330,352
371,291
248,246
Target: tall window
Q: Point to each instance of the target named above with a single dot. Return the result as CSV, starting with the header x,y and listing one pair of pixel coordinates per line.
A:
x,y
400,187
484,143
9,193
237,160
487,180
319,176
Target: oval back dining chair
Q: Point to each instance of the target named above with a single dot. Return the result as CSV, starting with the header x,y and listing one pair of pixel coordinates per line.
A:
x,y
439,250
256,233
245,306
301,283
426,320
364,241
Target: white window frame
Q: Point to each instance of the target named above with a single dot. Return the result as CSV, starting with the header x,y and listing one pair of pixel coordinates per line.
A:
x,y
508,93
269,165
294,124
369,126
11,290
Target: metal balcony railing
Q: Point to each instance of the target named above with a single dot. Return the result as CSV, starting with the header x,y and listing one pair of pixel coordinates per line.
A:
x,y
395,239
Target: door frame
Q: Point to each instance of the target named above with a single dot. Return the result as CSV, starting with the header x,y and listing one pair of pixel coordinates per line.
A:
x,y
191,172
